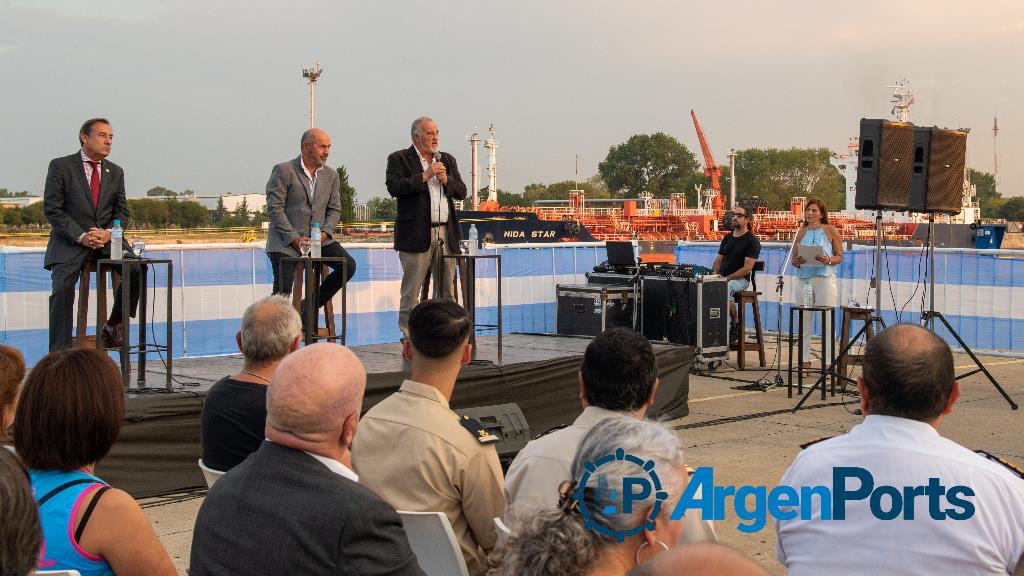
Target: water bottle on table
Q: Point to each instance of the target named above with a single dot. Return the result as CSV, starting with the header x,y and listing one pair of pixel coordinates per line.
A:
x,y
808,294
314,241
116,240
474,240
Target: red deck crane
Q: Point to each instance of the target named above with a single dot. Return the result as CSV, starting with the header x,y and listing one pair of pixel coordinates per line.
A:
x,y
711,170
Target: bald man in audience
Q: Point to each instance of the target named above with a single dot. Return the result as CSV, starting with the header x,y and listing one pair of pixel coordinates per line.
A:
x,y
954,510
295,506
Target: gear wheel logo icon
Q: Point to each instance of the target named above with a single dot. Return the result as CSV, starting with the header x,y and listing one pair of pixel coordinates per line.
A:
x,y
635,490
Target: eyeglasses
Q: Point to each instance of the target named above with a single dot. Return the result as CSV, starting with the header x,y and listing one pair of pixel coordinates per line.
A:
x,y
741,214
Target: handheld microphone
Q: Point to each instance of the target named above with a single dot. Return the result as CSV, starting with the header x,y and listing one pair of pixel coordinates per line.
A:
x,y
437,156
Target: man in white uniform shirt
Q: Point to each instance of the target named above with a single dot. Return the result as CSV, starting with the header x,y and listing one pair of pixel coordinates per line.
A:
x,y
906,390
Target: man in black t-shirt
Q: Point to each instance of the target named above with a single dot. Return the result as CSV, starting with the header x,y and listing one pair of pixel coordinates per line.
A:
x,y
736,257
235,410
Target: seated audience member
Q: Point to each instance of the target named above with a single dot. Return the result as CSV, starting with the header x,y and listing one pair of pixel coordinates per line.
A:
x,y
12,372
619,376
68,417
418,454
235,410
554,542
20,535
907,389
295,506
701,559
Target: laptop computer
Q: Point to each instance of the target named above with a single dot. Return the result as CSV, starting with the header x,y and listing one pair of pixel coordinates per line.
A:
x,y
620,254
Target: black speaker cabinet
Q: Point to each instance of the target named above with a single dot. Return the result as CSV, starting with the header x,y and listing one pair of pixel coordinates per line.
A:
x,y
884,170
937,184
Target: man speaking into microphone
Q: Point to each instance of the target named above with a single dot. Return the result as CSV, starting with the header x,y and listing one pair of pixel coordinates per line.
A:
x,y
425,182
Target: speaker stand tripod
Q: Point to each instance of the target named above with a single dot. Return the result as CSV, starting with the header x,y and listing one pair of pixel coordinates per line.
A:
x,y
929,317
876,318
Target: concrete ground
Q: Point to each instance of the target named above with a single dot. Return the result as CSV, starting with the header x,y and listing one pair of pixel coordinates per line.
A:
x,y
749,438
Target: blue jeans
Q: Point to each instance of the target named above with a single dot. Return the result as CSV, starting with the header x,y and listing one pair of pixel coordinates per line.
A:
x,y
737,285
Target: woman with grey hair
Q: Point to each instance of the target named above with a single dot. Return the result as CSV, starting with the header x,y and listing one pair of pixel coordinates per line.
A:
x,y
580,536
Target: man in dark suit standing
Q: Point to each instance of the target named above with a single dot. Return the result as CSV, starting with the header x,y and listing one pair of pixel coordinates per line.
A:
x,y
295,506
301,192
425,182
83,196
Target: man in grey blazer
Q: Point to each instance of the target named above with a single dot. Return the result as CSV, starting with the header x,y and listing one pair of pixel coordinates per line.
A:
x,y
295,506
300,192
83,195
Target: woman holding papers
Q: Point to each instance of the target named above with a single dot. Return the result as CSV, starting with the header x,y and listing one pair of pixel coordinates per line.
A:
x,y
819,251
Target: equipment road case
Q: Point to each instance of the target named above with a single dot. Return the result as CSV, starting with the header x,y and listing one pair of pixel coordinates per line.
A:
x,y
589,309
690,311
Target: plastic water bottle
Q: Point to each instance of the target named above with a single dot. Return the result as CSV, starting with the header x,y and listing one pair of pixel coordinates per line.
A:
x,y
679,252
474,239
116,240
314,241
808,294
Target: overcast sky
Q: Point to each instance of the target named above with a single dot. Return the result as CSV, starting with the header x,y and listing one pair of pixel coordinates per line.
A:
x,y
209,95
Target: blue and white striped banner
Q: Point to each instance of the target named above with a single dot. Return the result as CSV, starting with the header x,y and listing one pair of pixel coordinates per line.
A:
x,y
212,285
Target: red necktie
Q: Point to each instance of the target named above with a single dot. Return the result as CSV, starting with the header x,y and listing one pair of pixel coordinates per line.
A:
x,y
94,183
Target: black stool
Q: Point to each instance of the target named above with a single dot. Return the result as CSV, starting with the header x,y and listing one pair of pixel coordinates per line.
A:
x,y
826,312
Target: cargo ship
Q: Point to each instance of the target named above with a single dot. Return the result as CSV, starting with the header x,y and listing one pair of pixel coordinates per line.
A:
x,y
657,224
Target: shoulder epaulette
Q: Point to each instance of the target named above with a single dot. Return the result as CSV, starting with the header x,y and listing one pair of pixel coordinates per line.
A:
x,y
550,431
813,442
478,431
998,460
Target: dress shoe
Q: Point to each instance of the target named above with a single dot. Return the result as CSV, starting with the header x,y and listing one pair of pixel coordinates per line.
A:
x,y
111,336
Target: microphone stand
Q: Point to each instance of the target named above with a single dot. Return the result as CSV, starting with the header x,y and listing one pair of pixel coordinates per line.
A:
x,y
780,284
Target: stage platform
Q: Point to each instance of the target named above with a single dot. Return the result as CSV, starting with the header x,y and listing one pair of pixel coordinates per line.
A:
x,y
159,445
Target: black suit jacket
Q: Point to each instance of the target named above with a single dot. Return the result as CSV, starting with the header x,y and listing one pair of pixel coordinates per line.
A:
x,y
283,512
405,182
67,204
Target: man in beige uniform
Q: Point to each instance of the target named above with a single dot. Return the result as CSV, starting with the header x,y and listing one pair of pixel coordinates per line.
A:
x,y
418,455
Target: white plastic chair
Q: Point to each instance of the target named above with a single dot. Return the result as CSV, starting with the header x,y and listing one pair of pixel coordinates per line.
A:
x,y
433,541
210,474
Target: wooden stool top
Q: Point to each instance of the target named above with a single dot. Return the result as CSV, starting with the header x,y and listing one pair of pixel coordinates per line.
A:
x,y
857,312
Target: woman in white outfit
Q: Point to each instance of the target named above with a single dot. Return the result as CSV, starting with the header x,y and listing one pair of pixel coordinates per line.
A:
x,y
821,273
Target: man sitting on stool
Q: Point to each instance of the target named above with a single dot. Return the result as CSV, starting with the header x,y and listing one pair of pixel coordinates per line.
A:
x,y
736,257
301,192
83,196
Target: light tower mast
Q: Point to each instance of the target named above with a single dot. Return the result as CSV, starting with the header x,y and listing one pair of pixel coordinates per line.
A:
x,y
312,75
492,166
995,148
474,142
